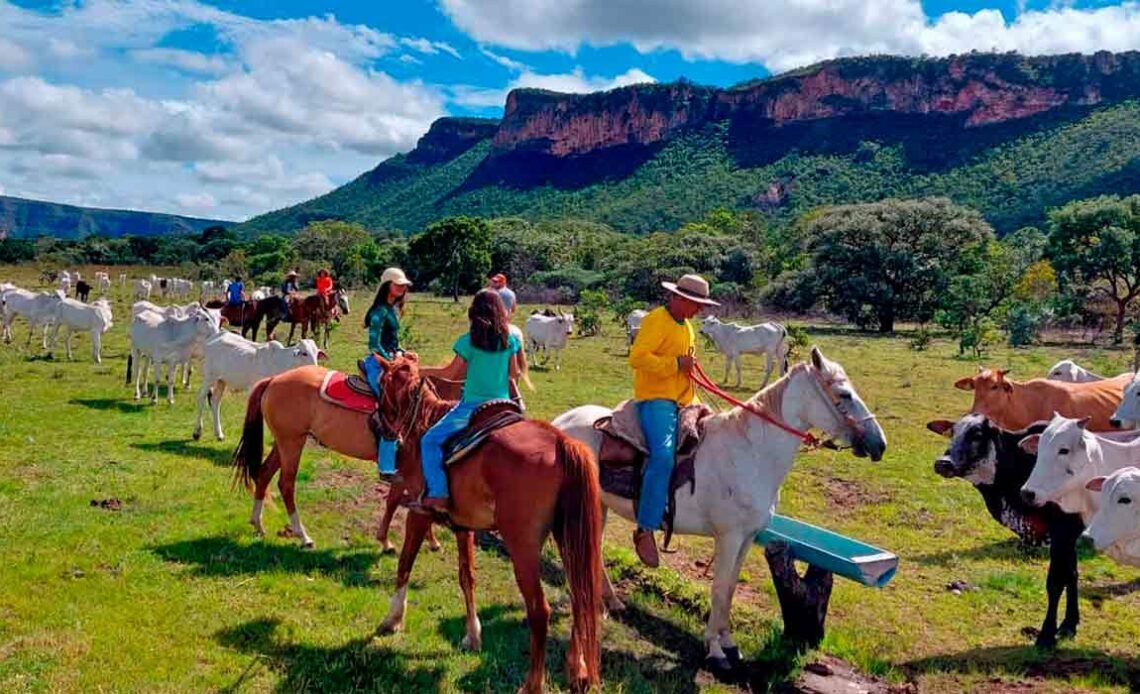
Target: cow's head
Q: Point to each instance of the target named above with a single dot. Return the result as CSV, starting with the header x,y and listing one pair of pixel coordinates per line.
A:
x,y
1127,415
1065,463
992,391
307,352
1115,529
972,452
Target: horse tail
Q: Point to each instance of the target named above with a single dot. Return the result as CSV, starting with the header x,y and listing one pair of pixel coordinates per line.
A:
x,y
579,527
130,365
248,454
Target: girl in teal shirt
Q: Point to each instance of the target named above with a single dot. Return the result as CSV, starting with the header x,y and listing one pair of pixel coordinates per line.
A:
x,y
383,322
487,359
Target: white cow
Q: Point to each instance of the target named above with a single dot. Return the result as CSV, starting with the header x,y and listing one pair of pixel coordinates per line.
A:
x,y
1068,370
142,289
168,340
633,325
734,341
38,308
547,333
65,282
1068,457
233,362
207,288
259,294
1115,527
122,279
75,316
173,310
180,288
103,282
182,370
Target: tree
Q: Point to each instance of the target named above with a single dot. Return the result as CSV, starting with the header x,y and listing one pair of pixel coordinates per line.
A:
x,y
456,251
339,246
1096,243
880,262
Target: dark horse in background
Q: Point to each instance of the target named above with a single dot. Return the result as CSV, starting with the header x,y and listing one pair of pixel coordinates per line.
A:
x,y
310,313
247,316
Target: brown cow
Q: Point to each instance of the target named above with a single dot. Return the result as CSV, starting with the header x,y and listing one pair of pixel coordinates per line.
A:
x,y
1015,405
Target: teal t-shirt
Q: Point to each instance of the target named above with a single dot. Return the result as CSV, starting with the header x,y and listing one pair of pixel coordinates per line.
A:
x,y
488,373
384,331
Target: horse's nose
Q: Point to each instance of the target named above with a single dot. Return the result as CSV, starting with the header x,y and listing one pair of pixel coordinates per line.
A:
x,y
1028,496
1116,423
944,466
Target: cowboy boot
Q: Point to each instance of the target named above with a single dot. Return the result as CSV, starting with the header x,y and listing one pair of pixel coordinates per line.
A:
x,y
646,545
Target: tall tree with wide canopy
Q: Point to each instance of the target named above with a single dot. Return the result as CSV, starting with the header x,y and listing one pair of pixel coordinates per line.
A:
x,y
877,263
456,251
1096,243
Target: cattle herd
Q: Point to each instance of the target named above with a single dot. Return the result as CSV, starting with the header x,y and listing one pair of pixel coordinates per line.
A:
x,y
1053,458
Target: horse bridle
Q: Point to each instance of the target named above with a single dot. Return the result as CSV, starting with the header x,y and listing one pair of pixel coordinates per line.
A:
x,y
836,403
405,425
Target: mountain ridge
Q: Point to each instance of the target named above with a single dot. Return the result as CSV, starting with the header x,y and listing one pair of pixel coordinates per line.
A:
x,y
28,218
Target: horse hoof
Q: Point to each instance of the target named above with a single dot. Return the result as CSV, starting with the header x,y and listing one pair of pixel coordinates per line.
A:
x,y
472,645
387,547
435,548
614,606
1067,631
196,435
1046,643
732,653
720,668
308,545
388,627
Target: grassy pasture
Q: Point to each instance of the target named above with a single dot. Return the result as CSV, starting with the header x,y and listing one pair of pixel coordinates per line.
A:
x,y
172,593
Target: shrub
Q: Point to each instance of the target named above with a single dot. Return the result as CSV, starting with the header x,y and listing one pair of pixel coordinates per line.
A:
x,y
591,304
798,339
921,340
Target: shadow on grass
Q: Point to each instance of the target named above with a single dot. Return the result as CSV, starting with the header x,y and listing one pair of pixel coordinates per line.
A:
x,y
104,404
218,456
224,556
1010,549
1027,661
1098,594
357,665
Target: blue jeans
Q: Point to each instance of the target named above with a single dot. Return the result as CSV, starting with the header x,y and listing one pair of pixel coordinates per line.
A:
x,y
386,449
431,446
658,420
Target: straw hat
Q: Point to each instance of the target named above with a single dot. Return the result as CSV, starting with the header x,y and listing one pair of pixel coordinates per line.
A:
x,y
396,276
693,288
291,273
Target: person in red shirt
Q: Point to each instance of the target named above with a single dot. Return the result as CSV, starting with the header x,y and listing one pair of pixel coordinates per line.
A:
x,y
324,282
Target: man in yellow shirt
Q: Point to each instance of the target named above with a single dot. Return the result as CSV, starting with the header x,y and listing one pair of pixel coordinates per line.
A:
x,y
662,358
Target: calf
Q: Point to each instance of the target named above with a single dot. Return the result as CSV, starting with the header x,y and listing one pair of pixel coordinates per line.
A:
x,y
169,340
82,291
734,341
1016,405
65,282
103,281
231,361
1072,372
38,308
991,460
1115,528
549,333
75,316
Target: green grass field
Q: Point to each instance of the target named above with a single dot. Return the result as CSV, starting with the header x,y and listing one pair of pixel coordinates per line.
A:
x,y
173,593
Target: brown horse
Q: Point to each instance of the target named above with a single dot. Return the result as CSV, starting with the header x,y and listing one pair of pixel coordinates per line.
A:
x,y
245,316
294,410
316,311
526,480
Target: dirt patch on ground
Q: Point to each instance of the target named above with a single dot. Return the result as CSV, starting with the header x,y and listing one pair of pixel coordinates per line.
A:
x,y
848,495
828,675
109,504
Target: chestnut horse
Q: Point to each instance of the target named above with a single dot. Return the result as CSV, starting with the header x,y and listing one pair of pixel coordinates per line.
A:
x,y
526,480
317,311
290,403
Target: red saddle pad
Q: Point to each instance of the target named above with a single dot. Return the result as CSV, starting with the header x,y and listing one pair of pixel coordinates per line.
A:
x,y
335,390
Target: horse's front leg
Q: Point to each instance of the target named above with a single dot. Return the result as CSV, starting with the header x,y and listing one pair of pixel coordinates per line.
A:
x,y
414,531
465,539
726,573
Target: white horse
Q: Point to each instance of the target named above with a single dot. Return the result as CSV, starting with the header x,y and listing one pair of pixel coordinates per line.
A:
x,y
741,463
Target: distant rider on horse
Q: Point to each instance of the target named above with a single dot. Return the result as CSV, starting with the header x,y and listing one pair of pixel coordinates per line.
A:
x,y
288,292
383,323
235,293
662,359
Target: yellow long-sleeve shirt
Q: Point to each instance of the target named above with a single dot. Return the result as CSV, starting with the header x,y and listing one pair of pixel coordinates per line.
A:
x,y
656,375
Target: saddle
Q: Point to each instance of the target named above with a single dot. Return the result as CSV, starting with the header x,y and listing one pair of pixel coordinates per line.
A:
x,y
623,454
488,418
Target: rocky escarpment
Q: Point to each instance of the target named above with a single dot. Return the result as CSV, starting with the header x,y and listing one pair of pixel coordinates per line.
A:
x,y
977,89
450,137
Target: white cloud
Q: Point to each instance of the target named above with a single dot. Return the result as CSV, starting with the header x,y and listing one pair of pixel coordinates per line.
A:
x,y
13,57
430,47
783,35
575,82
188,61
504,60
197,139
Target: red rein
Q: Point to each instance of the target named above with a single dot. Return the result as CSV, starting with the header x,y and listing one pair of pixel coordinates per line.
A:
x,y
701,379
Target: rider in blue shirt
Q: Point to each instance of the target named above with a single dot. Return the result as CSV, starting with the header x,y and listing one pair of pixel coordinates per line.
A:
x,y
236,291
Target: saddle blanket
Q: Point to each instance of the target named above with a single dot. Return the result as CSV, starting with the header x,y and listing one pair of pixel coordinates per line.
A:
x,y
335,390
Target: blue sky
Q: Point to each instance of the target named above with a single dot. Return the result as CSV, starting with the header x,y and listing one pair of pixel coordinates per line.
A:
x,y
228,108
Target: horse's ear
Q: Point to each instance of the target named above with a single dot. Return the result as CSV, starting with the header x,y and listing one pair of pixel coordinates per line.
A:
x,y
964,383
1096,484
1083,422
1029,443
942,427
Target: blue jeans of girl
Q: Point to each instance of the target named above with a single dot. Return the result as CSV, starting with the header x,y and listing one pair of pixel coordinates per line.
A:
x,y
431,446
386,448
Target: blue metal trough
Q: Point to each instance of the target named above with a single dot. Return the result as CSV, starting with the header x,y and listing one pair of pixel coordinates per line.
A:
x,y
836,553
